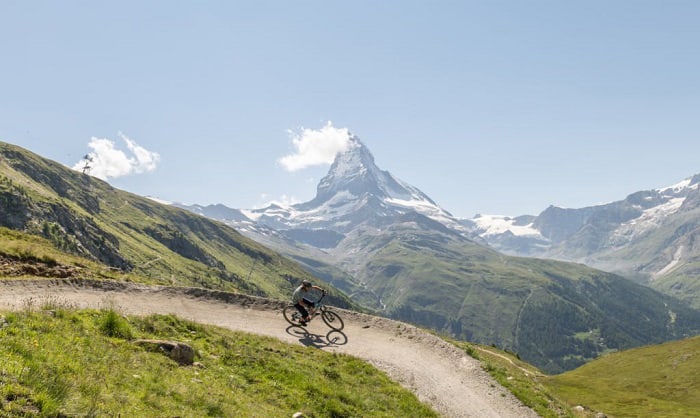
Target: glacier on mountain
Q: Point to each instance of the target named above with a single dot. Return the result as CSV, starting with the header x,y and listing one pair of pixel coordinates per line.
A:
x,y
496,224
353,191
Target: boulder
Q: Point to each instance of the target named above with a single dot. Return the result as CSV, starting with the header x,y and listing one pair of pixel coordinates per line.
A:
x,y
180,352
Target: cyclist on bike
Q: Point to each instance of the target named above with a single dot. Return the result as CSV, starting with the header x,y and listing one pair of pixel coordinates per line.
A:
x,y
302,303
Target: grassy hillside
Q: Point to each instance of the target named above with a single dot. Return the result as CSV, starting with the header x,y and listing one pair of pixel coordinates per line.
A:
x,y
104,373
555,315
682,283
652,381
660,381
135,237
26,255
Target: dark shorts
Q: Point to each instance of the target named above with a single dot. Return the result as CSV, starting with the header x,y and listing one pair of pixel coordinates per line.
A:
x,y
302,309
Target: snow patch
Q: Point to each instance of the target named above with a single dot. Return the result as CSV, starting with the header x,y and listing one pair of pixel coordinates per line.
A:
x,y
649,219
674,261
678,187
497,224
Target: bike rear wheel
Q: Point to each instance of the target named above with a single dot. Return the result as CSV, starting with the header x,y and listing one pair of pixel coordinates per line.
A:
x,y
332,319
291,314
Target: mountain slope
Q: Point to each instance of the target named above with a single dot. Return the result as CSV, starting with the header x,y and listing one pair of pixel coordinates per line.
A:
x,y
392,248
137,237
650,236
555,315
659,380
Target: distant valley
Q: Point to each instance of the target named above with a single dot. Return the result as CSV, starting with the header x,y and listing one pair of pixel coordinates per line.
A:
x,y
394,250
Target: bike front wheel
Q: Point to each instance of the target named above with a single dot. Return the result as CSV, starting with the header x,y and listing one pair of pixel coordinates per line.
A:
x,y
332,319
291,314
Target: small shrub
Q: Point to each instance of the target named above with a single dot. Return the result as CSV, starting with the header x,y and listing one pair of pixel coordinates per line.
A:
x,y
331,374
471,352
113,325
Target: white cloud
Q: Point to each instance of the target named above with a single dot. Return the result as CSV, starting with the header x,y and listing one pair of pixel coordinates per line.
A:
x,y
284,201
107,161
315,147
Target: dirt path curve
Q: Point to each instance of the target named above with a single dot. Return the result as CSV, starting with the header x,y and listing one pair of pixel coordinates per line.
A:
x,y
437,372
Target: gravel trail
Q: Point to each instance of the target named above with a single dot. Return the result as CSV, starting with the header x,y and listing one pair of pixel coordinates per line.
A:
x,y
438,373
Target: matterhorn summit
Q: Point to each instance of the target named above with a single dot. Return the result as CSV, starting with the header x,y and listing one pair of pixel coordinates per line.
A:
x,y
355,191
354,173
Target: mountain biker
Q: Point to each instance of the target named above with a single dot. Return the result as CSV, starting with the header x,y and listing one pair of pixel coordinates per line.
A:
x,y
302,303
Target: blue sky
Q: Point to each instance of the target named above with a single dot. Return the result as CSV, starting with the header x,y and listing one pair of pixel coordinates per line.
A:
x,y
494,107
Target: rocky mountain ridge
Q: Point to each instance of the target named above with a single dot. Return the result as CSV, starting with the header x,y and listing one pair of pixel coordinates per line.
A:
x,y
624,221
355,191
650,236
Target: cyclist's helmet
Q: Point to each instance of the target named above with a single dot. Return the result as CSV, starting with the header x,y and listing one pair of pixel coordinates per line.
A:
x,y
306,283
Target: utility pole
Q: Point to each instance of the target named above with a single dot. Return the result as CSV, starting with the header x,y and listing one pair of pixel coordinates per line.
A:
x,y
88,159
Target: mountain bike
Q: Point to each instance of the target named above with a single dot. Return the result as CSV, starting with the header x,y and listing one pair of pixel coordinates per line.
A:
x,y
332,319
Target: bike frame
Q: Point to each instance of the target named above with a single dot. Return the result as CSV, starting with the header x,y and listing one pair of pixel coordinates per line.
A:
x,y
330,318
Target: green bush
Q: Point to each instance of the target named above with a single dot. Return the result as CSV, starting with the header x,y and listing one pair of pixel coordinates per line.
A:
x,y
114,325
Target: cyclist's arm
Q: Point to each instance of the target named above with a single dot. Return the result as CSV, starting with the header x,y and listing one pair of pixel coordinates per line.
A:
x,y
296,296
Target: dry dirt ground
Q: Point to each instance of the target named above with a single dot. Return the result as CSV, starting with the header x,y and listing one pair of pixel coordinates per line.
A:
x,y
437,372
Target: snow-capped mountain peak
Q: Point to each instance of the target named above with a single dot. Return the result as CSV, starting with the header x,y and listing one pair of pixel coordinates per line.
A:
x,y
681,187
355,191
354,171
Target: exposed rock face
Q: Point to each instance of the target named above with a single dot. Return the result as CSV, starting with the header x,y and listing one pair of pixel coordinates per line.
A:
x,y
12,266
